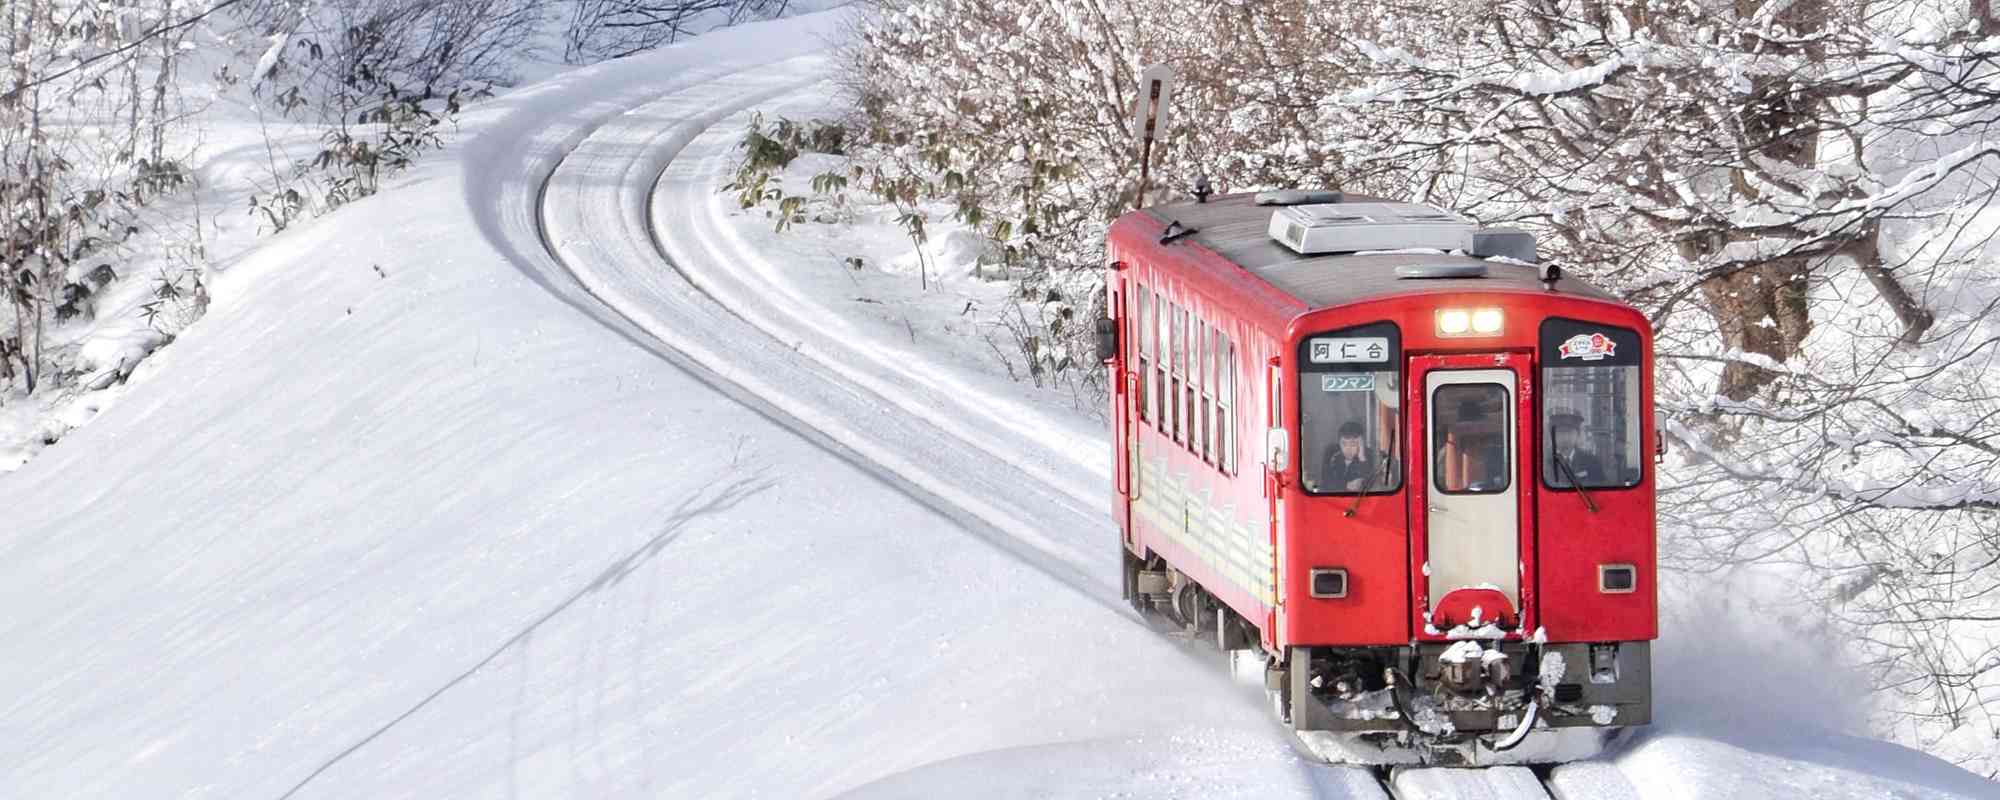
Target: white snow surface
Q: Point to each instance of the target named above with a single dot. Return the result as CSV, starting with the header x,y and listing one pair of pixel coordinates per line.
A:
x,y
1491,783
497,522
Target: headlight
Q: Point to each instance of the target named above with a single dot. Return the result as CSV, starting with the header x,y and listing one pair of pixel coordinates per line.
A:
x,y
1486,320
1453,322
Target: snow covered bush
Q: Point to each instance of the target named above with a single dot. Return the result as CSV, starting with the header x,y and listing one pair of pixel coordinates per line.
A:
x,y
341,52
602,29
769,148
385,77
72,182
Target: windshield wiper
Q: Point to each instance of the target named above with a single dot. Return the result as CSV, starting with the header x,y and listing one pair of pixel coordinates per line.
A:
x,y
1370,484
1574,483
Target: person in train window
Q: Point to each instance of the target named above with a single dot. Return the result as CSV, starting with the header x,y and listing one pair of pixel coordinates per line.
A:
x,y
1349,465
1565,431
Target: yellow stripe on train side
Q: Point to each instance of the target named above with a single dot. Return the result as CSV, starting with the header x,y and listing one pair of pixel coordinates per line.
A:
x,y
1234,550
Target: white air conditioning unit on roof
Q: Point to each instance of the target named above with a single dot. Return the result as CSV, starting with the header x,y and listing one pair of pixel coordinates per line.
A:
x,y
1352,227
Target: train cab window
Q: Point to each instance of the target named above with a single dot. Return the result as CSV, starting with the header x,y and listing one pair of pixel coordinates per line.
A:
x,y
1470,424
1350,411
1590,406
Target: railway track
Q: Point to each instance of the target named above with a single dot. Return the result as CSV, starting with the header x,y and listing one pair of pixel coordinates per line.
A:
x,y
1439,783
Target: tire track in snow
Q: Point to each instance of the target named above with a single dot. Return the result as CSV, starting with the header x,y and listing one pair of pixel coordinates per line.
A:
x,y
576,246
690,231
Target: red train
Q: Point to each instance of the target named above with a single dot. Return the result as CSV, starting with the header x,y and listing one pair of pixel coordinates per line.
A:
x,y
1380,444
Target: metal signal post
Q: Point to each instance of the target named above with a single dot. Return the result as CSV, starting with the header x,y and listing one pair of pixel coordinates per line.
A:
x,y
1149,119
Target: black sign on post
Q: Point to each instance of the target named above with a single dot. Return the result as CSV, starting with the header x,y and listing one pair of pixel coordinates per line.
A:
x,y
1149,119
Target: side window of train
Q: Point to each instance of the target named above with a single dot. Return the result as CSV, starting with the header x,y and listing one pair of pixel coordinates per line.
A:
x,y
1160,361
1591,399
1180,375
1205,364
1219,367
1225,404
1141,325
1191,383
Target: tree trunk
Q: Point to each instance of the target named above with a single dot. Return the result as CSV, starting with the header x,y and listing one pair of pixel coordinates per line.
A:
x,y
160,81
1867,252
1761,310
1764,309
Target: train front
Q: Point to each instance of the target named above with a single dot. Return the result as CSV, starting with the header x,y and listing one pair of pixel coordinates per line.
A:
x,y
1468,558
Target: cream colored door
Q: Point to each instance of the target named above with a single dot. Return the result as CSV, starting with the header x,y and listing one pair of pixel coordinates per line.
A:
x,y
1472,519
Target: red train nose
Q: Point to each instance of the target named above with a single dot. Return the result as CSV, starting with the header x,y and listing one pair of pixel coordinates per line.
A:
x,y
1474,608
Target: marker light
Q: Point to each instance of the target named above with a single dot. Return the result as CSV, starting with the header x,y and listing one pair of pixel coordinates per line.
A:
x,y
1617,578
1453,322
1486,320
1331,583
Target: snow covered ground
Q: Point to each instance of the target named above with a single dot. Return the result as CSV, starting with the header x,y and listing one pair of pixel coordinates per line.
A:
x,y
463,491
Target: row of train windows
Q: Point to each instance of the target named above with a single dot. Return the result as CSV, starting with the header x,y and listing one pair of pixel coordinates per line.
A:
x,y
1187,378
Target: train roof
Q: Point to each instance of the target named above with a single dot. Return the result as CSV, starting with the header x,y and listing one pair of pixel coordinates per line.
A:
x,y
1238,229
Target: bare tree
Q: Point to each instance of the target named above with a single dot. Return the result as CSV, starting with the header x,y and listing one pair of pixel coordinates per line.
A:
x,y
602,29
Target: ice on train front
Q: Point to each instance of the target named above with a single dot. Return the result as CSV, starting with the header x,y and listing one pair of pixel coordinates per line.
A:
x,y
1380,446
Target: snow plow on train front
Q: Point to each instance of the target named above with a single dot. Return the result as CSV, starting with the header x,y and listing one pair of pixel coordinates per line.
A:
x,y
1382,448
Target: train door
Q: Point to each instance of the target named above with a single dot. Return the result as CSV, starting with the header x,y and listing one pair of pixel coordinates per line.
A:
x,y
1124,401
1469,523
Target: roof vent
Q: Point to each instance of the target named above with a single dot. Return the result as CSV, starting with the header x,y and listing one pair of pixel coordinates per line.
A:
x,y
1353,227
1504,243
1464,269
1296,197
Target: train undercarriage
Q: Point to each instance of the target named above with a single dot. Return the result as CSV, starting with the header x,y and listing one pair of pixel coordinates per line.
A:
x,y
1469,702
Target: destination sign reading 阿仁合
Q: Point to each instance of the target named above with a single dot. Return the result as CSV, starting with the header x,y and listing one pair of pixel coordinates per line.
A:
x,y
1349,350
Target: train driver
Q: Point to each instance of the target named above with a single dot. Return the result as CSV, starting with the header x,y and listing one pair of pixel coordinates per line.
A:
x,y
1566,432
1349,465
